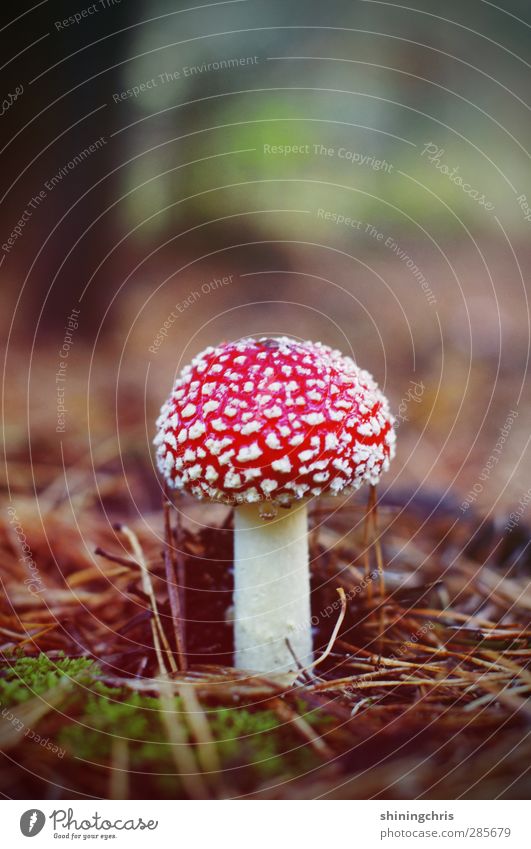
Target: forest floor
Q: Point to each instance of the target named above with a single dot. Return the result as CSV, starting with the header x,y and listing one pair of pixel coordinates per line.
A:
x,y
422,685
420,693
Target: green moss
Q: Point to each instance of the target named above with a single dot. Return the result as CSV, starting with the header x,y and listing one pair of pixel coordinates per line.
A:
x,y
107,715
252,743
248,736
27,677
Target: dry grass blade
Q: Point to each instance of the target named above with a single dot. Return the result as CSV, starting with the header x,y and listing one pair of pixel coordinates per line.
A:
x,y
335,632
198,723
26,716
159,636
182,752
287,714
119,778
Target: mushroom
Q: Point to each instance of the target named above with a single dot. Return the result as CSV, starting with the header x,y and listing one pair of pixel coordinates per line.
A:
x,y
271,423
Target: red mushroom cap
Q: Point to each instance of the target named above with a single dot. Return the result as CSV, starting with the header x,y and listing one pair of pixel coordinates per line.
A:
x,y
273,420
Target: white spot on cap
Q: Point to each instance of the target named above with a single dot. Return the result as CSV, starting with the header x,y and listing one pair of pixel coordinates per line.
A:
x,y
319,464
210,474
249,452
225,457
273,412
298,488
196,430
188,411
210,406
232,480
252,495
268,485
337,484
330,441
169,437
250,427
282,465
313,418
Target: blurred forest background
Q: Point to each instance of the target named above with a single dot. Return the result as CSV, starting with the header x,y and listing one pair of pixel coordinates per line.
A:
x,y
356,172
428,286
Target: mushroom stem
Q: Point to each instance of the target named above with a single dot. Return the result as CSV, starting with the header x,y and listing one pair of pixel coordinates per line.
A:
x,y
271,589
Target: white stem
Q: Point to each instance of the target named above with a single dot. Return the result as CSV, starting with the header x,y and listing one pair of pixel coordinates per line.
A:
x,y
271,589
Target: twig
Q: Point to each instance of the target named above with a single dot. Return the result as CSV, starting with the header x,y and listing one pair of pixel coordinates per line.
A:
x,y
173,587
159,637
305,674
356,684
115,558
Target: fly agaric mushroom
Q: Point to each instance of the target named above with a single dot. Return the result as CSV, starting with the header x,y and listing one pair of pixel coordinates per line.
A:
x,y
267,423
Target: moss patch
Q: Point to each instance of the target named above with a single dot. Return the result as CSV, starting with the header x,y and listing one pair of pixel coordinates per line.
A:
x,y
252,743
